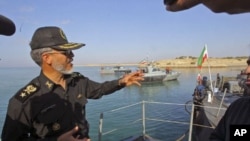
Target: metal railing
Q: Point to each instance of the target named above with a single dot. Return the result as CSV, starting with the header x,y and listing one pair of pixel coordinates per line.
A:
x,y
143,118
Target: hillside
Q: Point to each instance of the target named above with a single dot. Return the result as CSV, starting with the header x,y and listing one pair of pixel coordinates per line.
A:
x,y
189,63
192,62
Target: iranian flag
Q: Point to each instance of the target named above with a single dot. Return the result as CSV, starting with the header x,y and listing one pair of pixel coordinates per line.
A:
x,y
203,57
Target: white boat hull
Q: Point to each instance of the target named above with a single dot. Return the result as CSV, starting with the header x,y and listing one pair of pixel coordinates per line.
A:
x,y
172,76
115,70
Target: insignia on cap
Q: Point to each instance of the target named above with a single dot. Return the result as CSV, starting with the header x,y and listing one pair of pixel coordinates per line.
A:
x,y
70,45
62,34
56,126
49,84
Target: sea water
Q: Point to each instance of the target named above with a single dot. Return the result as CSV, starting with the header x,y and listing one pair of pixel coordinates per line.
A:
x,y
121,124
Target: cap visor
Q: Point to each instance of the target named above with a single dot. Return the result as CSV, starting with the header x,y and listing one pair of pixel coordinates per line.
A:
x,y
69,46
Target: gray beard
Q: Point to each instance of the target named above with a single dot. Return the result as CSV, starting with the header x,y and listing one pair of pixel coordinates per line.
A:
x,y
61,68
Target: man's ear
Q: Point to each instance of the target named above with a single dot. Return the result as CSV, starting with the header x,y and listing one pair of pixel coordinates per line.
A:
x,y
47,59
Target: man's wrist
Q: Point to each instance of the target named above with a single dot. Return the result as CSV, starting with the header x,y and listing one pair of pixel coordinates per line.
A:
x,y
121,83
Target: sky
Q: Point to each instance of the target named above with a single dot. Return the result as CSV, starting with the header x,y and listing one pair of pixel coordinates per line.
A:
x,y
124,31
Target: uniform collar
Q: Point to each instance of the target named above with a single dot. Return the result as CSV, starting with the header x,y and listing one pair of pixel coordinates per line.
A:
x,y
49,84
46,82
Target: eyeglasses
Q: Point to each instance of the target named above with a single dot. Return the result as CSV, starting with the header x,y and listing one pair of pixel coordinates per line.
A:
x,y
66,52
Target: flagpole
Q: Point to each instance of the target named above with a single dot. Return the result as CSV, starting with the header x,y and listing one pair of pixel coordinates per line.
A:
x,y
210,77
211,84
204,56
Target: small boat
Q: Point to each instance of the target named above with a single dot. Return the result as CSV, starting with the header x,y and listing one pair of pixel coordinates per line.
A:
x,y
171,75
155,74
107,70
115,70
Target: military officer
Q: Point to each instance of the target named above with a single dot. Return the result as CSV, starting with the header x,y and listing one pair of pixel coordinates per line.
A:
x,y
52,106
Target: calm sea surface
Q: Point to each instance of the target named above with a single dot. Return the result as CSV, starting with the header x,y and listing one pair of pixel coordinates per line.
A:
x,y
121,122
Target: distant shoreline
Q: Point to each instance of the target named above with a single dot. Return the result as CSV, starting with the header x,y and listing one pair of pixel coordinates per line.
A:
x,y
186,63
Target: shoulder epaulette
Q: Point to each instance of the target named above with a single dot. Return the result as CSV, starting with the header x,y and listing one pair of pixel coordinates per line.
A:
x,y
26,92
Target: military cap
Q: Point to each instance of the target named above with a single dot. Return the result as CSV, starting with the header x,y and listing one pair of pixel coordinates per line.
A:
x,y
53,37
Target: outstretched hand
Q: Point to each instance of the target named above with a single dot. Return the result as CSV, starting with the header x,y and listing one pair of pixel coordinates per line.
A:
x,y
132,78
68,136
